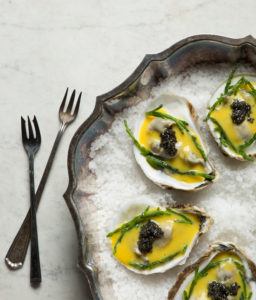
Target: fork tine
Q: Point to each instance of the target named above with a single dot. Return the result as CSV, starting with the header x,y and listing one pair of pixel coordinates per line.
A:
x,y
23,130
30,130
37,130
71,101
77,105
63,101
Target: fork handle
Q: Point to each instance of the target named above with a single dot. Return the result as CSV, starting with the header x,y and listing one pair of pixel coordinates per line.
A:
x,y
16,254
35,267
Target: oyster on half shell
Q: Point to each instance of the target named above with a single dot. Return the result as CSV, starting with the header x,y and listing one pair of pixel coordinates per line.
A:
x,y
158,238
168,146
223,272
232,117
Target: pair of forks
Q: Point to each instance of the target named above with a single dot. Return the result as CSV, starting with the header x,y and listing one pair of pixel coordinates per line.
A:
x,y
28,231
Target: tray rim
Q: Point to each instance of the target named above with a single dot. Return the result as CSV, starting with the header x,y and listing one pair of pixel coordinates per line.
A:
x,y
88,269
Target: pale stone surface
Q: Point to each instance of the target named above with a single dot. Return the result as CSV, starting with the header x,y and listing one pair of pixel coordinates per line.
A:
x,y
91,45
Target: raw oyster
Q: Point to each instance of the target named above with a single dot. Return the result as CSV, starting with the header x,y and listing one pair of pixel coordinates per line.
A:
x,y
223,272
168,146
232,117
159,238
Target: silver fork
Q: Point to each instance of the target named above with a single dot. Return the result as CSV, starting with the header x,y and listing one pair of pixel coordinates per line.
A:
x,y
31,143
17,252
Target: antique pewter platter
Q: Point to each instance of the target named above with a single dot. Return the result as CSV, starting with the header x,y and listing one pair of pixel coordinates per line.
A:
x,y
137,87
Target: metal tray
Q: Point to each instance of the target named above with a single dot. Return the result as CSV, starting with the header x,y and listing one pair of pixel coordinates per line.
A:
x,y
152,70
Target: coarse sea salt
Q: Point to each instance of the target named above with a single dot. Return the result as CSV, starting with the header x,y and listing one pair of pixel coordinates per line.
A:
x,y
116,183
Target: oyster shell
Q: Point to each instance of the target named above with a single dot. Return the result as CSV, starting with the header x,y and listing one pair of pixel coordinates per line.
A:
x,y
144,251
168,145
232,117
223,265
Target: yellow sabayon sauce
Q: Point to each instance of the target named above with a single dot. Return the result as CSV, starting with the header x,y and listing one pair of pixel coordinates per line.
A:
x,y
228,264
182,235
146,136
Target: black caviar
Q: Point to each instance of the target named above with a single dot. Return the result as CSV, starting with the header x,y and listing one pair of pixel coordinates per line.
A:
x,y
168,141
220,291
233,289
240,110
148,234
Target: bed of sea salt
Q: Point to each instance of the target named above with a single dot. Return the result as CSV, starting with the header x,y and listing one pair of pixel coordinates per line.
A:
x,y
117,182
